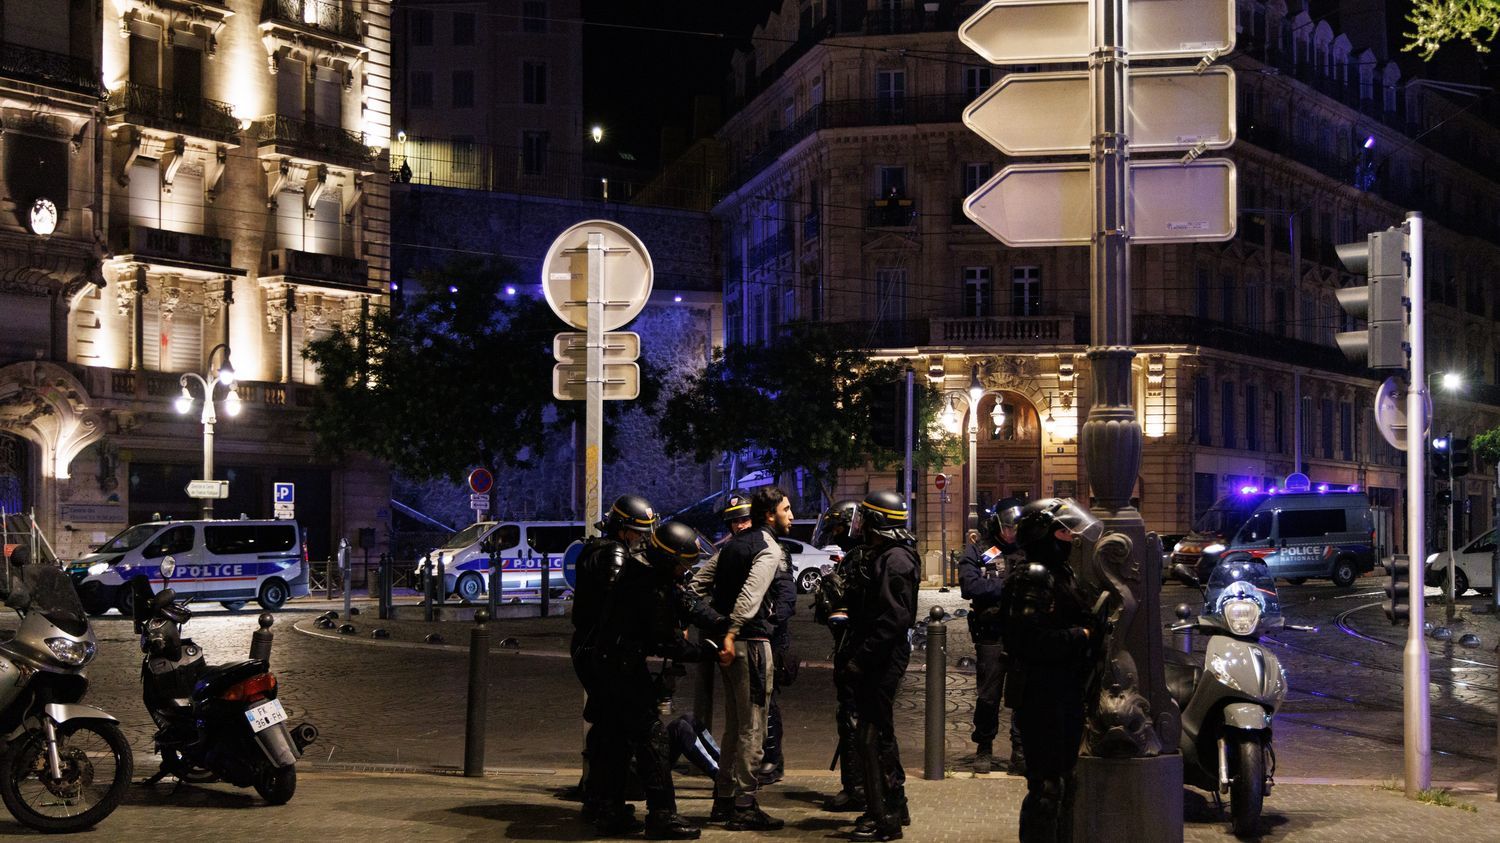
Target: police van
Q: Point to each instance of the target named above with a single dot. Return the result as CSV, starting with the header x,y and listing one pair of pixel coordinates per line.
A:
x,y
1328,533
523,547
231,562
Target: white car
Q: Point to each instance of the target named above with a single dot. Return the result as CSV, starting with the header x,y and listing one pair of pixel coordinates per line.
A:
x,y
1473,562
807,563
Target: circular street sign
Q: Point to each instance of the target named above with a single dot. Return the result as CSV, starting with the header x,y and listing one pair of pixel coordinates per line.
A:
x,y
940,481
481,481
627,274
570,563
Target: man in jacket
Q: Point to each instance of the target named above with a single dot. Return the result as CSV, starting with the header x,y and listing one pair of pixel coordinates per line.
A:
x,y
981,574
740,585
882,611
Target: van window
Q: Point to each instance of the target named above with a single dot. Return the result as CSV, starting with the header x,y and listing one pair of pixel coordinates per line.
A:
x,y
1311,523
553,539
506,536
1483,544
130,539
467,536
174,540
1257,529
249,538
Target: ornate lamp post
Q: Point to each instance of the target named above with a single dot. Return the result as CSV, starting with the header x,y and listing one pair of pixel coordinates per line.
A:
x,y
222,376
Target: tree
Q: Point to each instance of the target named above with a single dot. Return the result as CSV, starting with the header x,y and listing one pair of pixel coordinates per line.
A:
x,y
1440,21
802,401
1486,446
462,376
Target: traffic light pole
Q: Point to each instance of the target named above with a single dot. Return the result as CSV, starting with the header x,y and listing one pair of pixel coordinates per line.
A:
x,y
1448,511
1418,738
1133,798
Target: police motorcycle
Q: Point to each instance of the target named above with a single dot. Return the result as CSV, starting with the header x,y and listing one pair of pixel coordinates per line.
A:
x,y
1228,701
219,723
65,766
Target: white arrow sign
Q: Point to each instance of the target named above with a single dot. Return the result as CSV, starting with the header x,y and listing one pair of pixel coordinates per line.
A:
x,y
1052,204
216,489
622,381
1049,113
1047,31
619,347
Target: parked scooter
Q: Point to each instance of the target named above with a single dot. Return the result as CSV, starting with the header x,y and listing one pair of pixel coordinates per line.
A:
x,y
65,766
220,723
1227,708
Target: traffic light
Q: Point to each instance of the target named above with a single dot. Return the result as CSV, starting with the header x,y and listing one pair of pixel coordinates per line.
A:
x,y
1382,304
1444,501
1439,456
1460,457
1398,589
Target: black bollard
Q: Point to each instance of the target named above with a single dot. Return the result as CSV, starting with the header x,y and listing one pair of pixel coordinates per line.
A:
x,y
494,589
427,578
260,639
546,584
479,652
937,701
386,571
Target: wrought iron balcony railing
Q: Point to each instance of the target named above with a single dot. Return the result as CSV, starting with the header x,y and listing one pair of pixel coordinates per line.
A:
x,y
891,213
19,61
331,18
314,266
162,109
147,243
316,139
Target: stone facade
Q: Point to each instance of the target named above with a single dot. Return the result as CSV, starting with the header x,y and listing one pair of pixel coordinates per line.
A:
x,y
848,166
225,200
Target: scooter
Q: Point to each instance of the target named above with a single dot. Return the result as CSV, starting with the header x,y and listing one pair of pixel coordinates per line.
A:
x,y
1227,708
65,766
219,723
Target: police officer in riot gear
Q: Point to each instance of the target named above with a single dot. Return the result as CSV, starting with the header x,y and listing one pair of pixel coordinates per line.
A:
x,y
604,559
882,602
981,574
831,608
1052,639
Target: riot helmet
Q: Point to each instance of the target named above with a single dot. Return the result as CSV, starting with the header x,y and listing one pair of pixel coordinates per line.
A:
x,y
629,512
736,508
833,526
673,545
881,514
1003,520
1040,520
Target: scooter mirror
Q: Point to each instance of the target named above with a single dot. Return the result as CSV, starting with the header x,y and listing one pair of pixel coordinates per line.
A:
x,y
168,568
1185,575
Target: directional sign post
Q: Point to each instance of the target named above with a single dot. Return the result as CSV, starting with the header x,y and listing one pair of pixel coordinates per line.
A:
x,y
208,489
284,501
597,277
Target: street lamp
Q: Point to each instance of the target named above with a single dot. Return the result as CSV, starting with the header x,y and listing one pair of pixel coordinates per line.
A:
x,y
976,391
223,375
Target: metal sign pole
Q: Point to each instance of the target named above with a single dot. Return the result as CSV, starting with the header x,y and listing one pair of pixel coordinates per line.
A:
x,y
1418,740
593,450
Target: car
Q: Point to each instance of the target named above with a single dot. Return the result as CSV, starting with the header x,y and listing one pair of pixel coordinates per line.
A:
x,y
1471,566
807,563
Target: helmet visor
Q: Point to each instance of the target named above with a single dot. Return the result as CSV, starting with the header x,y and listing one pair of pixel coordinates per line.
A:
x,y
1071,516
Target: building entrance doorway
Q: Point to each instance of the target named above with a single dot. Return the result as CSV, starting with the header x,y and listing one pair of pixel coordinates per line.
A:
x,y
1009,450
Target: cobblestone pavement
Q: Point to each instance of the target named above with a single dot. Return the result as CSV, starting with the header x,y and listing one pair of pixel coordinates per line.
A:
x,y
400,702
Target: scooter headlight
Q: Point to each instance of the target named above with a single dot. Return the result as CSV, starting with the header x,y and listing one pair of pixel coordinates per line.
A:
x,y
70,652
1241,616
98,568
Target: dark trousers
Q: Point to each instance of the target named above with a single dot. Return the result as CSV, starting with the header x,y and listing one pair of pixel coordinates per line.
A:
x,y
874,699
692,741
623,724
851,765
990,666
1051,727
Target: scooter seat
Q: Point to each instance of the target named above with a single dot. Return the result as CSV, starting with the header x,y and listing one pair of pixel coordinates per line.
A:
x,y
1182,674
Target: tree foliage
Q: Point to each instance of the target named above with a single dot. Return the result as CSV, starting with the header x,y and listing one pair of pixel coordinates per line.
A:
x,y
802,401
462,376
1440,21
1486,446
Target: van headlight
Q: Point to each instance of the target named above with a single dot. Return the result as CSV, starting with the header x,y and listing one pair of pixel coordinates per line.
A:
x,y
70,652
1242,616
98,568
1214,548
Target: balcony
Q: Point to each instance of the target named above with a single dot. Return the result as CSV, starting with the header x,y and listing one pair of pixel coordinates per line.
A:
x,y
281,135
143,105
153,387
318,17
18,61
317,269
1191,330
891,213
770,249
1002,330
175,248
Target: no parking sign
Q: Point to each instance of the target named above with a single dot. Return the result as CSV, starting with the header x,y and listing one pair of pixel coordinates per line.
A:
x,y
570,563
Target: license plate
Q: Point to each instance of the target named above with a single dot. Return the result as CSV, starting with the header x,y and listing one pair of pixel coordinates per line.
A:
x,y
265,715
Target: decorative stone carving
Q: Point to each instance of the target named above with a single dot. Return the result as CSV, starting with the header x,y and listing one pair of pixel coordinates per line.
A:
x,y
1120,725
130,285
279,304
43,403
218,295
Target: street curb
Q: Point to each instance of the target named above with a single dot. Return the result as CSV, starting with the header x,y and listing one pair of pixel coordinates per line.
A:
x,y
301,626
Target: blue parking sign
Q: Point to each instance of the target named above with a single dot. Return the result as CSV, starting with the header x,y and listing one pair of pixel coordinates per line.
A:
x,y
284,493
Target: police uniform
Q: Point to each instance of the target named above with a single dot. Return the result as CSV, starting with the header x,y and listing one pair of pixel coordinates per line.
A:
x,y
981,576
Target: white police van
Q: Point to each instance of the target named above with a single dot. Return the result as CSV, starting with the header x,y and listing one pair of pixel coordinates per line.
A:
x,y
231,562
523,548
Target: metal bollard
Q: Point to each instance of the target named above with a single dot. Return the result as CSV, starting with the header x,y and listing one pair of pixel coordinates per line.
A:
x,y
1184,637
386,570
546,584
260,639
427,588
937,698
345,577
479,653
494,589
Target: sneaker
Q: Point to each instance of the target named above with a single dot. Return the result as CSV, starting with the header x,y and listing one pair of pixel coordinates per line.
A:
x,y
665,825
876,832
845,802
723,810
983,764
769,774
753,819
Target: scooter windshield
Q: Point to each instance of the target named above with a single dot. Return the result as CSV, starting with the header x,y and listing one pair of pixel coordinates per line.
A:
x,y
45,589
1239,578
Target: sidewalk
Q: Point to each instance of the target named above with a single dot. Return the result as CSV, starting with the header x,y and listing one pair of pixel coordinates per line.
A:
x,y
344,804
